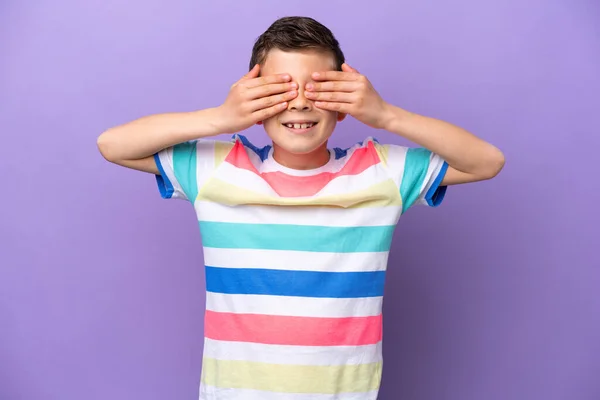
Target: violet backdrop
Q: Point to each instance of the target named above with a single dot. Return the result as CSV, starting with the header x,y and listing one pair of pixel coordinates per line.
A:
x,y
492,296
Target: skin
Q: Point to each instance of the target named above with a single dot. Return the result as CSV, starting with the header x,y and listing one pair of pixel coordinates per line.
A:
x,y
470,158
301,86
306,150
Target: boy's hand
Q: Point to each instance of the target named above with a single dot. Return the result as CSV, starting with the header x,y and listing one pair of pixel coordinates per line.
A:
x,y
252,99
348,92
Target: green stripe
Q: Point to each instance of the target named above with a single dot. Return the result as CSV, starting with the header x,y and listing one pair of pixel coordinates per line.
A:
x,y
184,164
296,237
415,171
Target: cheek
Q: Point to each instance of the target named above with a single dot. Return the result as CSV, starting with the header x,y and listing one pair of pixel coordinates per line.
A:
x,y
271,121
331,117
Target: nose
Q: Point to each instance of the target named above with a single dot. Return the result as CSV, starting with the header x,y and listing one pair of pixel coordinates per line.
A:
x,y
300,103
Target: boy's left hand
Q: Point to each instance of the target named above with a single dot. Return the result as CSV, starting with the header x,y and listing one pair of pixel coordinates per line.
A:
x,y
348,92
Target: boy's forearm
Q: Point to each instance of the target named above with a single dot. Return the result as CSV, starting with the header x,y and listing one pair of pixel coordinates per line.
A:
x,y
460,149
146,136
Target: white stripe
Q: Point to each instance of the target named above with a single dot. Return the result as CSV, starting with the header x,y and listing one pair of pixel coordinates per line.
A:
x,y
396,160
292,355
205,161
166,161
319,216
293,306
353,183
295,260
215,393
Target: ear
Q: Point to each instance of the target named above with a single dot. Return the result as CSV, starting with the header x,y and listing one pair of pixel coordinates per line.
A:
x,y
341,116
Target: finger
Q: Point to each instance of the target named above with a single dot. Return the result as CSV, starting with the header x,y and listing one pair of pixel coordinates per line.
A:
x,y
270,89
253,73
345,108
266,113
266,102
333,86
338,97
348,68
335,76
266,80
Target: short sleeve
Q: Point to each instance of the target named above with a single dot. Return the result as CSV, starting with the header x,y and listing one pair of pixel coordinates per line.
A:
x,y
184,168
418,173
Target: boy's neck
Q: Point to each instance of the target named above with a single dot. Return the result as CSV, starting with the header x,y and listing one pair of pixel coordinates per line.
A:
x,y
312,160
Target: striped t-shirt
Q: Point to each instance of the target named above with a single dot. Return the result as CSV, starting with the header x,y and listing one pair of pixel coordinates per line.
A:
x,y
295,262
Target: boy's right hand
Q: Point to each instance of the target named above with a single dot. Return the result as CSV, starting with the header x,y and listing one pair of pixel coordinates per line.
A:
x,y
252,100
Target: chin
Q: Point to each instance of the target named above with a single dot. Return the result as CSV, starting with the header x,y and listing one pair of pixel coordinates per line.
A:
x,y
300,149
300,143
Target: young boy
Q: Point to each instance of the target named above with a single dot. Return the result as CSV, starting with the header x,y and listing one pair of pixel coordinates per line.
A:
x,y
295,235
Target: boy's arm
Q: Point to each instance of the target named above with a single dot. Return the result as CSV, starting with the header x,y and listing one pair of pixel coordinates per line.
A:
x,y
250,100
469,158
134,144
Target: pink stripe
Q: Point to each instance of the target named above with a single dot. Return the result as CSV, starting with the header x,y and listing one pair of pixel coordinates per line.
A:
x,y
298,186
300,331
239,158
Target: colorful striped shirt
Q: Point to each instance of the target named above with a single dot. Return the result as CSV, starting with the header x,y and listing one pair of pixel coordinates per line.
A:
x,y
295,262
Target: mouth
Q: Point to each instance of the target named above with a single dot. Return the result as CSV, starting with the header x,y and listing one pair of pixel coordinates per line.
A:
x,y
300,126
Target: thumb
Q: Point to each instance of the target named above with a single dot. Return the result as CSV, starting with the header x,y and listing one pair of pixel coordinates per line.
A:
x,y
253,73
347,68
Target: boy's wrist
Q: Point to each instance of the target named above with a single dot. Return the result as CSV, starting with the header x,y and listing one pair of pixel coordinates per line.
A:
x,y
211,120
393,118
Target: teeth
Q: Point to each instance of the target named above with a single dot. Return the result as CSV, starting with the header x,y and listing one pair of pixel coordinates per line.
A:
x,y
300,126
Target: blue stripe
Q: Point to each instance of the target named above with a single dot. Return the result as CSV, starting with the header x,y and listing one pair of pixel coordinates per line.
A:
x,y
415,171
295,283
436,193
339,152
184,165
165,187
230,235
263,152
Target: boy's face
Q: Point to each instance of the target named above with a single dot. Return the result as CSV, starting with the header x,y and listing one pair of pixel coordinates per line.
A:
x,y
302,128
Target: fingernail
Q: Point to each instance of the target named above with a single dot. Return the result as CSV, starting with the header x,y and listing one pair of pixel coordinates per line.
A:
x,y
293,93
316,75
294,85
309,94
286,77
310,86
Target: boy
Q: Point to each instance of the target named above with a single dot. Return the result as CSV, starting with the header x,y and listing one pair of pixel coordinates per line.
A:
x,y
295,235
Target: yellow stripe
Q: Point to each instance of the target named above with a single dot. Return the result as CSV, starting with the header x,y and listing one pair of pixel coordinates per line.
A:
x,y
284,378
382,151
382,194
221,151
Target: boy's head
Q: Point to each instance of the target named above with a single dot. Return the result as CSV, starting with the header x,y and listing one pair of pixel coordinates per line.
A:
x,y
299,46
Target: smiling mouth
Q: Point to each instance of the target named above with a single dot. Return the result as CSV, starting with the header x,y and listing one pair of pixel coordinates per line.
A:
x,y
303,125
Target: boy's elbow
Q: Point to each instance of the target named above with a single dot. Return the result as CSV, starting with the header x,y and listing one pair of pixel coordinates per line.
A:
x,y
495,164
105,146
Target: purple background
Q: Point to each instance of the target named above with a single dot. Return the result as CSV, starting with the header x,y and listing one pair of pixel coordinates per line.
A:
x,y
492,296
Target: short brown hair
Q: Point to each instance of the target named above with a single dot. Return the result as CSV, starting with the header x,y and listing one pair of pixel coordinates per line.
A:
x,y
296,33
